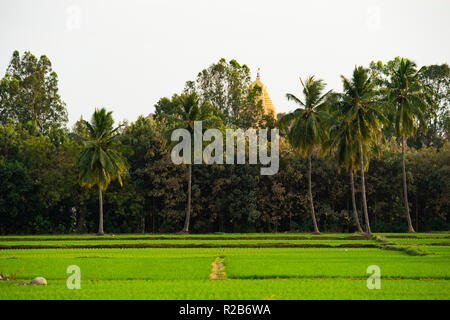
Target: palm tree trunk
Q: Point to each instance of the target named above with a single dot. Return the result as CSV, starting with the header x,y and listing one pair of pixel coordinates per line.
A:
x,y
81,227
153,216
143,224
290,221
355,212
405,189
363,187
188,213
100,218
311,203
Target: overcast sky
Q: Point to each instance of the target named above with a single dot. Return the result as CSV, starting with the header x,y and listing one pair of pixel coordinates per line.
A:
x,y
125,55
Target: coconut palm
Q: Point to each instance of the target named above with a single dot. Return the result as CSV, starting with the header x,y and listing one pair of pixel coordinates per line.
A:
x,y
306,126
190,110
407,97
361,109
99,162
345,150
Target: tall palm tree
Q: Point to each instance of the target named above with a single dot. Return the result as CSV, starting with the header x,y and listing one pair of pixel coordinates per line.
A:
x,y
189,110
361,109
99,162
306,126
407,96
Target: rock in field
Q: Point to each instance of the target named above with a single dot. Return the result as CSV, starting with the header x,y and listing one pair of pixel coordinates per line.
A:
x,y
38,280
4,277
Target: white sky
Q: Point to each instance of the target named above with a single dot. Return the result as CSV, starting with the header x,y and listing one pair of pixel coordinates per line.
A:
x,y
125,55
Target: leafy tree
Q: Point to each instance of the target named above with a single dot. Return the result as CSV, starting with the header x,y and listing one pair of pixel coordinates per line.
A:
x,y
407,96
99,162
136,141
251,113
437,79
166,106
227,85
29,92
38,180
165,184
307,125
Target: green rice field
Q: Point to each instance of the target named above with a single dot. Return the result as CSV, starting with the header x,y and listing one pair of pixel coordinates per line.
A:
x,y
256,266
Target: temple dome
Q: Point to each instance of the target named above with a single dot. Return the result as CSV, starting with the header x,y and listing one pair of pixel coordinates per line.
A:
x,y
267,103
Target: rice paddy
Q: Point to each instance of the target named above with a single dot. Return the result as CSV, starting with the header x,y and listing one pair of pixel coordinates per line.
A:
x,y
256,266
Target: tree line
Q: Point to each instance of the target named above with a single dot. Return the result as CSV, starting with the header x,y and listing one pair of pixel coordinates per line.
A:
x,y
374,157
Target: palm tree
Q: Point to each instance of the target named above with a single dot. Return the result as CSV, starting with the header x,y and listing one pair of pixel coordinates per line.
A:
x,y
190,110
99,162
360,109
306,126
407,96
345,152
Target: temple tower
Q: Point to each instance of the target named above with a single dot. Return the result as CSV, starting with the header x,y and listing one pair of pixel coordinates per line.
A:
x,y
269,108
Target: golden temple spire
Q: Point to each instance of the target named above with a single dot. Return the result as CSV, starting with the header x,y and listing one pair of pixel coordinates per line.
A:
x,y
269,108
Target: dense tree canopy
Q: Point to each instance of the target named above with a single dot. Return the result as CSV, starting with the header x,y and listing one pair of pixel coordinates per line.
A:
x,y
40,191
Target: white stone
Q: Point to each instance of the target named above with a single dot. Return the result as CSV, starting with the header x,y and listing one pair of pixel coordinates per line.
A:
x,y
39,280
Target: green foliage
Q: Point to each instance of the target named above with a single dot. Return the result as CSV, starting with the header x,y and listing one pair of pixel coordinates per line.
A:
x,y
307,124
227,86
437,114
99,162
38,181
29,92
407,95
225,198
40,192
361,108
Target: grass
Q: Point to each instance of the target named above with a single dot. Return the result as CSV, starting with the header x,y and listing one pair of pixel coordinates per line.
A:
x,y
216,235
336,263
188,241
233,290
416,235
220,235
419,241
251,273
